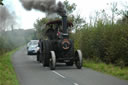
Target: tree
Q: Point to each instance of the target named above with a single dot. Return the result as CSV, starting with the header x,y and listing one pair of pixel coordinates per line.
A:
x,y
113,10
6,18
40,27
1,2
125,17
69,7
124,13
78,21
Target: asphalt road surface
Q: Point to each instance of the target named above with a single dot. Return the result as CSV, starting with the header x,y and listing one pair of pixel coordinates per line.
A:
x,y
30,72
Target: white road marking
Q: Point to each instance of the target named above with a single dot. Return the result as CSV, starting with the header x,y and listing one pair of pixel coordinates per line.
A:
x,y
34,58
76,84
58,74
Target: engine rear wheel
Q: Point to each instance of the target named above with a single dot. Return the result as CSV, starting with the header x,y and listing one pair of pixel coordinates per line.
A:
x,y
38,55
40,51
46,52
52,60
78,59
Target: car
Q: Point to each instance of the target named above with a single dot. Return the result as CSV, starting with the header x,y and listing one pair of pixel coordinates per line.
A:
x,y
28,45
32,47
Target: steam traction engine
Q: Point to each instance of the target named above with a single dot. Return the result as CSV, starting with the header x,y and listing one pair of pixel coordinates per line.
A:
x,y
58,47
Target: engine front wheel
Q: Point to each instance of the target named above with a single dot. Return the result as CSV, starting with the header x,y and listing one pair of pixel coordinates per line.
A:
x,y
78,59
52,60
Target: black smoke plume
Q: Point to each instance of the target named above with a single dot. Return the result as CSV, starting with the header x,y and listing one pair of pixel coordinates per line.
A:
x,y
47,6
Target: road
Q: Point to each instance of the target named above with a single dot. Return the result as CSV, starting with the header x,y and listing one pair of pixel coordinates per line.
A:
x,y
30,72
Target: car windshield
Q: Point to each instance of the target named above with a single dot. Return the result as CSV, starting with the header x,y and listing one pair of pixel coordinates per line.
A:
x,y
34,42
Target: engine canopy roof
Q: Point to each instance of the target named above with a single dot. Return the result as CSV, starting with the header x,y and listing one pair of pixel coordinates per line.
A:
x,y
59,22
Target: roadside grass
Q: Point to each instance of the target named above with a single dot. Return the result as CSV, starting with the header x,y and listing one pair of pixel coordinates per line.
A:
x,y
7,73
108,69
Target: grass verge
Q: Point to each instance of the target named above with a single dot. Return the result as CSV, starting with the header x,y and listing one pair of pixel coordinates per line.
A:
x,y
7,73
108,69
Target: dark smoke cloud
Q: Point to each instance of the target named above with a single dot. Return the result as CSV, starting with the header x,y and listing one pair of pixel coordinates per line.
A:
x,y
48,6
6,19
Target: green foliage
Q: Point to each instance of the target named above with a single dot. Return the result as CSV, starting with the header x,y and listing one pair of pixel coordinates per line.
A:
x,y
78,21
108,43
1,2
124,14
12,39
40,27
69,7
107,68
7,74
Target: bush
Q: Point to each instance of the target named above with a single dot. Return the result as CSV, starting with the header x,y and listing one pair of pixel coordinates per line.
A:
x,y
107,43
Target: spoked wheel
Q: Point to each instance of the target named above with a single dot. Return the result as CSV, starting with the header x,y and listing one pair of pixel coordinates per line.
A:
x,y
52,61
78,59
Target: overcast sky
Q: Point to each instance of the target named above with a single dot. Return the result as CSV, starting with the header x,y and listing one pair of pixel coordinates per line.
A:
x,y
85,8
